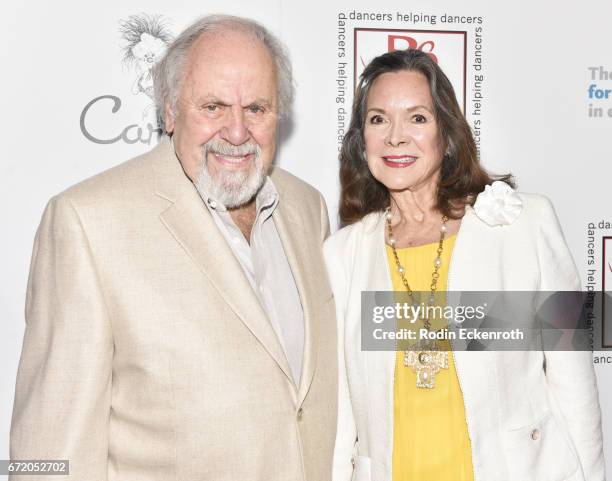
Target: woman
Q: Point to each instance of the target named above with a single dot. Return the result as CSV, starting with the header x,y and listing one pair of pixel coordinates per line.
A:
x,y
413,194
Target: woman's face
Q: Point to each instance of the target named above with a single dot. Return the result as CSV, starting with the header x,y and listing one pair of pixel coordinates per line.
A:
x,y
403,145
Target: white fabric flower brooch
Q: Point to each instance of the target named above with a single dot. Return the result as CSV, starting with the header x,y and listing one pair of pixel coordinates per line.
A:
x,y
498,204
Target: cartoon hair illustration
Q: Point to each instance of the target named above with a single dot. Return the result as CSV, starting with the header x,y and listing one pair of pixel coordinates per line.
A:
x,y
146,39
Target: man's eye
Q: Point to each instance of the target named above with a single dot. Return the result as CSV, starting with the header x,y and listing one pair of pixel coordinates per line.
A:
x,y
212,108
255,109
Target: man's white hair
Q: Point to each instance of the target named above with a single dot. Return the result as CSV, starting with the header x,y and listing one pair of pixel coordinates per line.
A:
x,y
169,72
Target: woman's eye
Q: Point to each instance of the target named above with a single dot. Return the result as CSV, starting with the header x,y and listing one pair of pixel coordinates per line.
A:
x,y
376,119
419,119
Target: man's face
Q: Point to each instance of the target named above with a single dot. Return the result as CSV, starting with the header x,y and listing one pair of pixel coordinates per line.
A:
x,y
224,126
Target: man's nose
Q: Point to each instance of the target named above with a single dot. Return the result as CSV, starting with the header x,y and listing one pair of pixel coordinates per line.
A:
x,y
235,129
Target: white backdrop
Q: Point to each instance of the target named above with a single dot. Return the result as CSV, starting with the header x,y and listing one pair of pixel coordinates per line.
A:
x,y
537,115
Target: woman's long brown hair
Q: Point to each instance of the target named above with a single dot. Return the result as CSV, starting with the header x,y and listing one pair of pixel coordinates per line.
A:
x,y
462,177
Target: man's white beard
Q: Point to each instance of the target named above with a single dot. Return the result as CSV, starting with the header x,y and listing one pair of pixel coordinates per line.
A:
x,y
231,188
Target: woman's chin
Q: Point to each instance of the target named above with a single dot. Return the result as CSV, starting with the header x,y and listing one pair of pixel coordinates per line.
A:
x,y
397,188
398,185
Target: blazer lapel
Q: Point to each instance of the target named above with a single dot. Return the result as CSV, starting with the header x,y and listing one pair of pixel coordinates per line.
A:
x,y
195,230
469,270
299,255
380,364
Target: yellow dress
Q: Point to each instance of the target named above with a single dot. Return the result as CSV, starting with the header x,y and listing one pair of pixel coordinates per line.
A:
x,y
430,437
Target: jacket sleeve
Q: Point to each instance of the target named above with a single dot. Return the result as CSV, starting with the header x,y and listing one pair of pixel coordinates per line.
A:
x,y
346,434
570,374
62,397
324,218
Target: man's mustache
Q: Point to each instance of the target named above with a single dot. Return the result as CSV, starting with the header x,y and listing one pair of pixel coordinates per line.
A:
x,y
225,148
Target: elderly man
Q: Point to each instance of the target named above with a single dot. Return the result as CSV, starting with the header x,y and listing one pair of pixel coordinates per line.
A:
x,y
180,324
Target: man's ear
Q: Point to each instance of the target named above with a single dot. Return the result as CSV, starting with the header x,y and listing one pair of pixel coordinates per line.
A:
x,y
169,118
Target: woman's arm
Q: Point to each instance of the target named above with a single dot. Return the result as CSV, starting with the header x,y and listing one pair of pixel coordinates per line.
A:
x,y
570,374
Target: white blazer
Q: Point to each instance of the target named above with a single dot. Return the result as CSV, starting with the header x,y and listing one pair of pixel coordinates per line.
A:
x,y
531,415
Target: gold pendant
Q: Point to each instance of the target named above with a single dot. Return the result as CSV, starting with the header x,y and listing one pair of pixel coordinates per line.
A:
x,y
426,364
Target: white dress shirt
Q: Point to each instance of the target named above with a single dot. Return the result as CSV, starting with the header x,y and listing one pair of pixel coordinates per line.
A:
x,y
266,266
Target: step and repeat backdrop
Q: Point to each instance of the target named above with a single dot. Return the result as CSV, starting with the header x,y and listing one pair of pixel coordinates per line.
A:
x,y
534,80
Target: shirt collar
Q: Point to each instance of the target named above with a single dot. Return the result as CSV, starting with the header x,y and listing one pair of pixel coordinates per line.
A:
x,y
266,199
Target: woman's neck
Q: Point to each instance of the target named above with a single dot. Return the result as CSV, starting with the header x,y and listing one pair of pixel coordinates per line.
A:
x,y
414,205
416,220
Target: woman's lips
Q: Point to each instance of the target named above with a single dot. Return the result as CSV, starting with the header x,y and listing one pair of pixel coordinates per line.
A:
x,y
399,161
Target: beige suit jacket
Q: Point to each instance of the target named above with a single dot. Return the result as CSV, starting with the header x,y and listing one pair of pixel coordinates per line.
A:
x,y
147,355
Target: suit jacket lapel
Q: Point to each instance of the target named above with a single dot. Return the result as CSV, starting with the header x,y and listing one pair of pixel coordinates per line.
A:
x,y
299,255
194,229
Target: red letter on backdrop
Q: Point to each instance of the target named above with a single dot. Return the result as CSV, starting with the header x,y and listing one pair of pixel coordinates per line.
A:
x,y
412,43
391,42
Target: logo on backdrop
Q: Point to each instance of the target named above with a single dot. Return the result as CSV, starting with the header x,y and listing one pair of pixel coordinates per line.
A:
x,y
447,48
599,93
145,39
606,287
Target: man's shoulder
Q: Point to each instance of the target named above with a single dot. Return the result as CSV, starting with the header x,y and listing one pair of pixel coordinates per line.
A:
x,y
128,176
355,233
291,187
